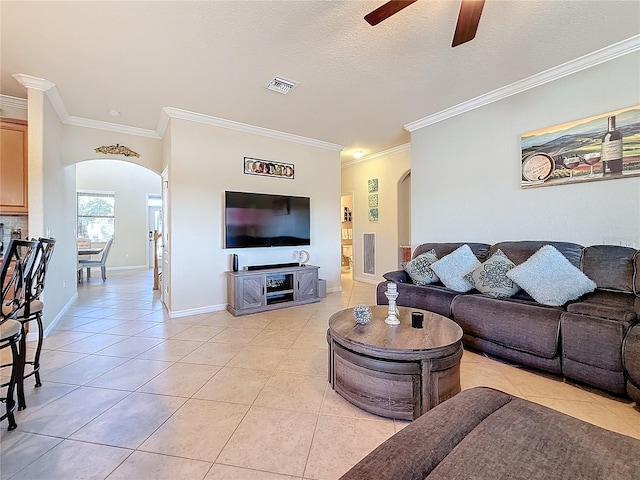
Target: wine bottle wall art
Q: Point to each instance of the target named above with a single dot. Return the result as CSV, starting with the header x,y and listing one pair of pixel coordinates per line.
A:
x,y
601,147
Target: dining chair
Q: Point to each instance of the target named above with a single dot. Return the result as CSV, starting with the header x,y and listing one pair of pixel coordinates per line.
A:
x,y
17,267
32,310
102,263
82,242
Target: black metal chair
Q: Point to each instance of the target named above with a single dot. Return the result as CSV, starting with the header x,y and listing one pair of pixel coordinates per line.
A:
x,y
32,310
17,268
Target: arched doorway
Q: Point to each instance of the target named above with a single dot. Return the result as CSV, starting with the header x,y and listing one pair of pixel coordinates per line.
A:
x,y
129,186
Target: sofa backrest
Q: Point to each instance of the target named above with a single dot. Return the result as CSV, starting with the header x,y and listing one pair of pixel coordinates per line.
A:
x,y
479,249
519,251
612,267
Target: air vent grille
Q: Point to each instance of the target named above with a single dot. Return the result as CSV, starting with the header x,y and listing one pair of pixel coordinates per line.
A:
x,y
369,253
282,85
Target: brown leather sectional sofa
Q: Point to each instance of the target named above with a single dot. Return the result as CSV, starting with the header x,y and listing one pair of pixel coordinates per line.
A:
x,y
593,339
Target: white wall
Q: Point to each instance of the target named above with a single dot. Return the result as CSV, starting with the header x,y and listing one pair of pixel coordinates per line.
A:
x,y
207,160
389,169
466,170
404,210
80,144
165,279
48,202
131,184
59,198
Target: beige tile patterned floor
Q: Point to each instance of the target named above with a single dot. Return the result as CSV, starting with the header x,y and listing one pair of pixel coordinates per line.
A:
x,y
130,394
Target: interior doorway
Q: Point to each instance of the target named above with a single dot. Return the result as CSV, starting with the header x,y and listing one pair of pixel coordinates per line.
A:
x,y
346,233
154,219
404,218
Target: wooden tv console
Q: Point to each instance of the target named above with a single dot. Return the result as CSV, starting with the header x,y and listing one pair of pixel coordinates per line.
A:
x,y
252,291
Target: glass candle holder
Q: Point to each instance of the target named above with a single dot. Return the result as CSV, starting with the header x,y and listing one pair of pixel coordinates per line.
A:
x,y
362,314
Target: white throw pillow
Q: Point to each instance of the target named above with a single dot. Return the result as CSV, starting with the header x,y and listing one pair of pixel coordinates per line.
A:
x,y
550,278
452,268
419,269
491,278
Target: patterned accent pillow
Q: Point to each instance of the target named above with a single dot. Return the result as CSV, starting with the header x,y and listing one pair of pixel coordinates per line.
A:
x,y
491,278
550,278
452,268
419,269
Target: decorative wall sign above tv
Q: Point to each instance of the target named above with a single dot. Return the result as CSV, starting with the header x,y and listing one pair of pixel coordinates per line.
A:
x,y
256,166
602,147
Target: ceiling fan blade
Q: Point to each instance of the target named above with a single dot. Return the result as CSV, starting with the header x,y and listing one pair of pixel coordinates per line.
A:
x,y
468,19
385,11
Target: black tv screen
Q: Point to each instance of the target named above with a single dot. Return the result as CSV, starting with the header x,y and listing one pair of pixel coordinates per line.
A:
x,y
265,220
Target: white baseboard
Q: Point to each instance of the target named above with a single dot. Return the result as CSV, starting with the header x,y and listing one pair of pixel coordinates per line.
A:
x,y
369,280
334,289
197,311
129,267
34,335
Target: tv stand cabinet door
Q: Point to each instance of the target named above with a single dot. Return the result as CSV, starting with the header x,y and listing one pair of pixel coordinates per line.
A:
x,y
307,283
250,292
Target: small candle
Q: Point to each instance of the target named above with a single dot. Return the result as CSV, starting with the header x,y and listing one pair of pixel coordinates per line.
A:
x,y
392,288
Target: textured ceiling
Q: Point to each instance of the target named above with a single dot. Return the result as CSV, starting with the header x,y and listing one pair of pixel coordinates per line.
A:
x,y
358,84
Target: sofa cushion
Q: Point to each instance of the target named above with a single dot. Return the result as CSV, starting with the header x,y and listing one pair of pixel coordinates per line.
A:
x,y
550,278
524,440
631,356
512,356
453,267
491,278
480,250
419,269
595,345
610,305
520,251
522,326
610,266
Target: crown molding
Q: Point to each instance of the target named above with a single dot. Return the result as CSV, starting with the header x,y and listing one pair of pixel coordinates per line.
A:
x,y
163,123
58,104
29,81
13,102
49,88
243,127
385,153
112,127
582,63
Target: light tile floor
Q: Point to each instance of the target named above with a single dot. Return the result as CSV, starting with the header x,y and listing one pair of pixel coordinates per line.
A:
x,y
130,394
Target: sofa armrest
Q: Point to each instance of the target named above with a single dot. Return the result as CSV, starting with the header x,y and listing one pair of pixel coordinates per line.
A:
x,y
398,276
433,298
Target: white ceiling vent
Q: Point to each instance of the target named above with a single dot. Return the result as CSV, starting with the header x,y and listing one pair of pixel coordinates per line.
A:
x,y
282,85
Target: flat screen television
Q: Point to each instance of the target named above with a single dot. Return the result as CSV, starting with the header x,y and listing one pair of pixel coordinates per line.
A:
x,y
265,220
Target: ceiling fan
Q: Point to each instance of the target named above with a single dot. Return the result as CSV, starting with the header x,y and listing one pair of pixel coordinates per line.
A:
x,y
468,18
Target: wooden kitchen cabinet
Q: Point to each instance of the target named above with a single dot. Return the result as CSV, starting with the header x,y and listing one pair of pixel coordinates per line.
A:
x,y
13,167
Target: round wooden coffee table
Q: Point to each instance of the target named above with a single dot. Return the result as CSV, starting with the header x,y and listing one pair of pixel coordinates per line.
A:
x,y
394,371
